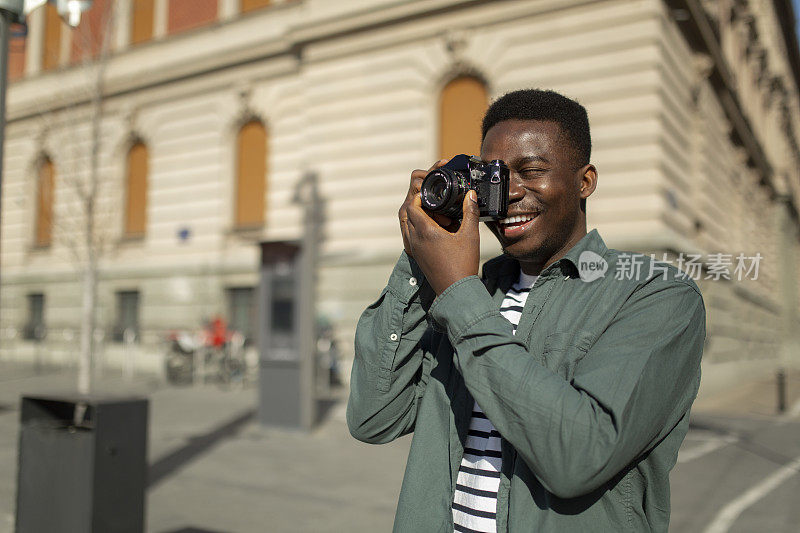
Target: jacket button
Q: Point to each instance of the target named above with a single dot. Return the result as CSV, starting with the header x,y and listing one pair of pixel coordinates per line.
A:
x,y
412,282
393,337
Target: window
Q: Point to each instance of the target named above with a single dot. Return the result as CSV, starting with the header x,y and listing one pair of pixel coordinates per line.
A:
x,y
242,311
251,174
34,329
188,14
45,187
51,51
136,191
252,5
282,310
127,316
463,102
142,20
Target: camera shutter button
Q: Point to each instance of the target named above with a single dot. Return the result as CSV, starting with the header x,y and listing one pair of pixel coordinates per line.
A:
x,y
412,282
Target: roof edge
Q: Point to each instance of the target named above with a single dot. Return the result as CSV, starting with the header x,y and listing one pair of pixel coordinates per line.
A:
x,y
786,17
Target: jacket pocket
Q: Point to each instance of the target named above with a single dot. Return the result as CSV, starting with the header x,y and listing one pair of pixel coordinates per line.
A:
x,y
564,350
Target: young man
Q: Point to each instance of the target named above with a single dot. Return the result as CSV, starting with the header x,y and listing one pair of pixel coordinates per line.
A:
x,y
542,396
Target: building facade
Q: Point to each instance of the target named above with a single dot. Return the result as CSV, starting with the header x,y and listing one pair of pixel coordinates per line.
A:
x,y
205,115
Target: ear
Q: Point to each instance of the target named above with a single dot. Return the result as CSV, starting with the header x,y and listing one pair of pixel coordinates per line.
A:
x,y
588,181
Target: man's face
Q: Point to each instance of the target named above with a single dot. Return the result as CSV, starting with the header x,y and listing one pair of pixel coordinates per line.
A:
x,y
547,185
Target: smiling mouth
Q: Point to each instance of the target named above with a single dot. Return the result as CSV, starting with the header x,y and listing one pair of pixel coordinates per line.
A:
x,y
515,226
516,220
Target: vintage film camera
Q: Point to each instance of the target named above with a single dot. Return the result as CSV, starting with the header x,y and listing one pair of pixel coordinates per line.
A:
x,y
443,189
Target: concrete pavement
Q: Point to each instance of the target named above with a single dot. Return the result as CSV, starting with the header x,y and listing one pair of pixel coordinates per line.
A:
x,y
214,469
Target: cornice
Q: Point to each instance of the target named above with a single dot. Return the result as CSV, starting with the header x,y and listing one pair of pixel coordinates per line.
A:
x,y
223,45
786,16
702,37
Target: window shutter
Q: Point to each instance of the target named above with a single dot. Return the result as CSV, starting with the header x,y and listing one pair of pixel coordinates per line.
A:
x,y
252,5
136,189
51,52
142,21
463,102
251,174
44,203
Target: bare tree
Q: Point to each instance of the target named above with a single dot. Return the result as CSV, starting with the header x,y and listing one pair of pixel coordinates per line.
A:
x,y
82,221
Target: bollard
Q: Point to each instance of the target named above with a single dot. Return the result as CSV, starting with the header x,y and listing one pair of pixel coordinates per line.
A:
x,y
128,337
781,390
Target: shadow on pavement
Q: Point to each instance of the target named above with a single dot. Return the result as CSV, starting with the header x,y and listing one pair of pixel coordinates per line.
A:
x,y
745,440
704,425
325,408
166,466
192,530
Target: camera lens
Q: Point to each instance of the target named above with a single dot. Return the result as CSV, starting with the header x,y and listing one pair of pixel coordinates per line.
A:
x,y
436,191
443,193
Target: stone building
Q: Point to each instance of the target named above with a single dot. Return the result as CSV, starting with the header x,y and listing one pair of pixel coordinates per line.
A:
x,y
212,111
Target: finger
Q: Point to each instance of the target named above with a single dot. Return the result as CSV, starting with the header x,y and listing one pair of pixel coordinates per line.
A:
x,y
442,220
471,213
417,177
417,216
409,224
438,164
403,225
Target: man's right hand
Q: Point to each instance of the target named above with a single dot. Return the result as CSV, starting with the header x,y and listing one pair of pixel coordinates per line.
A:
x,y
416,184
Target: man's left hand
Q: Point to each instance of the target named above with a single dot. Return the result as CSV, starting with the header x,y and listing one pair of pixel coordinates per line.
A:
x,y
445,256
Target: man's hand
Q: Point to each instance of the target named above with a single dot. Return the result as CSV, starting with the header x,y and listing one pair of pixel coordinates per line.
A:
x,y
444,254
417,178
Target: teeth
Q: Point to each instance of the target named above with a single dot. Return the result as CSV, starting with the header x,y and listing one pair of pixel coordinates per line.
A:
x,y
516,219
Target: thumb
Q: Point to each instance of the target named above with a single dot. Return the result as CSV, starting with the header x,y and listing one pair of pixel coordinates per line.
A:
x,y
471,212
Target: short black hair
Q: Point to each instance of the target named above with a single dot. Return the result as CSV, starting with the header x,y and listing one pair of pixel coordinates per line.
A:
x,y
538,104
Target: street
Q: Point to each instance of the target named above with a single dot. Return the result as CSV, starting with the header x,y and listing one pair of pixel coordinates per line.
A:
x,y
213,469
739,468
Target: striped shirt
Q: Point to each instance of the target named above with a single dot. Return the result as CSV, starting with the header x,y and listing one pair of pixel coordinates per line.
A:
x,y
475,499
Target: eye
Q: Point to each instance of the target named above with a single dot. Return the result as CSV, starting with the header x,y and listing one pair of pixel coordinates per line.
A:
x,y
532,172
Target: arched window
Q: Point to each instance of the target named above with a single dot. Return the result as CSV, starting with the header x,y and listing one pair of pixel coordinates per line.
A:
x,y
51,51
136,191
252,5
45,187
461,107
251,174
142,20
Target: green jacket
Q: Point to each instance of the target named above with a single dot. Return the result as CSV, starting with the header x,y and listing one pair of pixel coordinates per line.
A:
x,y
591,396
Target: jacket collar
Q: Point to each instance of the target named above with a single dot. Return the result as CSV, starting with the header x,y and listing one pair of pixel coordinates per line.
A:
x,y
503,271
591,242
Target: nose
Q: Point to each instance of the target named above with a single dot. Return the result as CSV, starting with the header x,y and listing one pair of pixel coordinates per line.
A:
x,y
515,189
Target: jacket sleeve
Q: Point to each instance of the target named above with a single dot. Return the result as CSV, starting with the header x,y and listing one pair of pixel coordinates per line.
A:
x,y
392,357
631,388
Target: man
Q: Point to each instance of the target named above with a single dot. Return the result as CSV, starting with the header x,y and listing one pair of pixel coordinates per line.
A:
x,y
563,413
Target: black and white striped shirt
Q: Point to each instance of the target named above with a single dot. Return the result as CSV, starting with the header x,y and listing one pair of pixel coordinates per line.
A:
x,y
475,500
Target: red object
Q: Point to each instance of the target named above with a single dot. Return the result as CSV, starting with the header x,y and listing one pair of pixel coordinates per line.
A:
x,y
217,333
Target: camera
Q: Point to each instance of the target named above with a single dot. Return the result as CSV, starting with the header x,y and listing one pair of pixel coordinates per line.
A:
x,y
444,188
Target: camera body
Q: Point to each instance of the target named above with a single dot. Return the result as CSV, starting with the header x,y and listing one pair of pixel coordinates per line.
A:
x,y
444,188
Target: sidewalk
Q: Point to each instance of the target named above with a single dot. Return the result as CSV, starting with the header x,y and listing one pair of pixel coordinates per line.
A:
x,y
757,397
214,469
